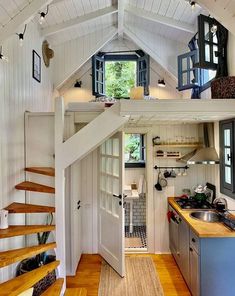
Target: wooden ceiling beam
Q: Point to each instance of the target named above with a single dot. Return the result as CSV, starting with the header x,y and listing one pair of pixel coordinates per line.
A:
x,y
79,20
121,12
154,17
23,17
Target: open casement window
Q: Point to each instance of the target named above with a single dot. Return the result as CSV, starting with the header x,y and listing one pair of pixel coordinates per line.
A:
x,y
134,151
98,77
227,149
188,74
207,43
100,63
143,73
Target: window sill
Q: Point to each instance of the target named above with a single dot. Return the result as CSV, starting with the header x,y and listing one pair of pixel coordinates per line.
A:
x,y
134,164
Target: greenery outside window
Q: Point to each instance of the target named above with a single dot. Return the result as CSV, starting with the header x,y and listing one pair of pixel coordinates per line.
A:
x,y
114,75
134,151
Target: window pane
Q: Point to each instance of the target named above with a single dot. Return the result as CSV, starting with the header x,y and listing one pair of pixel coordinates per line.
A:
x,y
215,39
215,58
184,64
228,175
227,156
133,149
227,137
207,53
206,31
185,78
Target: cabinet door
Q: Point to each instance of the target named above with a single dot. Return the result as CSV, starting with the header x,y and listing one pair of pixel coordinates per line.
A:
x,y
174,237
184,249
194,272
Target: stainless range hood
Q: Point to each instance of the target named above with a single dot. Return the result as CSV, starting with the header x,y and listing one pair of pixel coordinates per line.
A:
x,y
207,154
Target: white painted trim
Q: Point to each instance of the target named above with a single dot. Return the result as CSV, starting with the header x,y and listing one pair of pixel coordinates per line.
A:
x,y
121,11
78,20
160,19
137,40
60,190
23,17
87,139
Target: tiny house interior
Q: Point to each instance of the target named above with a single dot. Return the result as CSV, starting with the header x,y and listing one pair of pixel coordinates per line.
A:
x,y
117,147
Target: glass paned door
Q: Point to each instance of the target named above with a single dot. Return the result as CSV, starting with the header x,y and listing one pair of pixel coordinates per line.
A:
x,y
111,211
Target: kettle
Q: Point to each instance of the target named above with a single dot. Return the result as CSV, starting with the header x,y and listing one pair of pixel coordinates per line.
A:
x,y
200,193
3,219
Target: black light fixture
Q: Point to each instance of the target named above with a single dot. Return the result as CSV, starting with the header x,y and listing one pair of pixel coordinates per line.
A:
x,y
161,83
193,4
21,36
43,15
78,84
3,57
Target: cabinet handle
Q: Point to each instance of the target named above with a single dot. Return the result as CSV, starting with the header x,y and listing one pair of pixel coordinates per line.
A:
x,y
190,249
180,220
193,240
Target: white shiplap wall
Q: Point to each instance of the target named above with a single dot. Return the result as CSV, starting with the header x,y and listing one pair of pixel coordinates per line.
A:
x,y
70,56
197,174
84,93
19,92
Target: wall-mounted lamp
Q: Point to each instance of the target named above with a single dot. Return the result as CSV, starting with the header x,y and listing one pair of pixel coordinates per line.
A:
x,y
21,36
161,83
78,84
3,57
43,15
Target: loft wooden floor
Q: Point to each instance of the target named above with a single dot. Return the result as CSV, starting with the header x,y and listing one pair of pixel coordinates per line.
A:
x,y
88,274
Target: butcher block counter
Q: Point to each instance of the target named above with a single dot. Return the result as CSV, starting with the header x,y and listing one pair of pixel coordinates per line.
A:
x,y
201,228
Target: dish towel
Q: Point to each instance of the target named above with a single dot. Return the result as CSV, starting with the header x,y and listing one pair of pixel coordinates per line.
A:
x,y
142,185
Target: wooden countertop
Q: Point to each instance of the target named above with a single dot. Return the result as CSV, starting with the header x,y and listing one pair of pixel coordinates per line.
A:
x,y
202,229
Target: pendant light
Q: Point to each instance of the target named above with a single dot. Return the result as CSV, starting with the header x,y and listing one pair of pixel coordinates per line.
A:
x,y
43,15
21,36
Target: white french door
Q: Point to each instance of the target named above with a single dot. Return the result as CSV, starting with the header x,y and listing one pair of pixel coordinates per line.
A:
x,y
110,208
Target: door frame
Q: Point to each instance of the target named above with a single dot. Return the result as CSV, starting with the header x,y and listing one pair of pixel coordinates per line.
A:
x,y
147,131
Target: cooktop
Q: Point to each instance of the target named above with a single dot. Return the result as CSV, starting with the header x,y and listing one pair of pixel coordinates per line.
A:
x,y
192,204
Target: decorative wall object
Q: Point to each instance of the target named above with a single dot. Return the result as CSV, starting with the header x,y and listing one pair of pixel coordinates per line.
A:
x,y
36,66
47,53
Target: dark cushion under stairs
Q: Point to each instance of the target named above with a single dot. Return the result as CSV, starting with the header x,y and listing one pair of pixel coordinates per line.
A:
x,y
223,88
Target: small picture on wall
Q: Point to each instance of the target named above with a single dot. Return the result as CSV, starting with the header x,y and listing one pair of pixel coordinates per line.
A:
x,y
36,66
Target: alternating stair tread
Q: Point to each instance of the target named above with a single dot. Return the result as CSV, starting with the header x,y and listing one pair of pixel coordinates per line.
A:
x,y
76,292
54,289
25,281
17,207
30,186
16,230
41,170
12,256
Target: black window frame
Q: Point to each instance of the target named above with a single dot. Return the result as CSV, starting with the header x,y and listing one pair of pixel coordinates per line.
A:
x,y
225,188
139,56
198,73
142,162
202,42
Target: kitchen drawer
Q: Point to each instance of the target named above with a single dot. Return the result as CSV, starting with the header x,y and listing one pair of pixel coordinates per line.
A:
x,y
194,241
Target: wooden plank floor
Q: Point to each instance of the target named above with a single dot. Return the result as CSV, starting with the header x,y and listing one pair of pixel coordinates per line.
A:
x,y
88,274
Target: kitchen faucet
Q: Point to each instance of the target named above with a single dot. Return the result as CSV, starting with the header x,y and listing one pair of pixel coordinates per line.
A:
x,y
221,204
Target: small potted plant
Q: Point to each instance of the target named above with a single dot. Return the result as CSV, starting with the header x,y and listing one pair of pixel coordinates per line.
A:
x,y
30,264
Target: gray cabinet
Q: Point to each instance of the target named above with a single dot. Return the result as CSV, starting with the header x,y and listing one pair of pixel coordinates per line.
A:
x,y
194,272
184,249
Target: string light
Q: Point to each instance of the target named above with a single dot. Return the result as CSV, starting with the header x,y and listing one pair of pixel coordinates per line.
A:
x,y
21,36
43,15
3,57
193,4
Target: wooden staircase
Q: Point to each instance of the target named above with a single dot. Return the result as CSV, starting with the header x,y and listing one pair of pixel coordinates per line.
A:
x,y
25,281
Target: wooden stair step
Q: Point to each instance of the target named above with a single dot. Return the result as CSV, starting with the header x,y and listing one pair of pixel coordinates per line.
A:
x,y
25,281
12,256
31,186
17,207
76,292
16,230
48,171
54,289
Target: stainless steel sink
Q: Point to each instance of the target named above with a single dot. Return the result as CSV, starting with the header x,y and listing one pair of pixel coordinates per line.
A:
x,y
206,216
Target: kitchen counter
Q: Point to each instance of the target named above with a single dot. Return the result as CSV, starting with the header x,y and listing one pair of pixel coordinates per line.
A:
x,y
201,228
